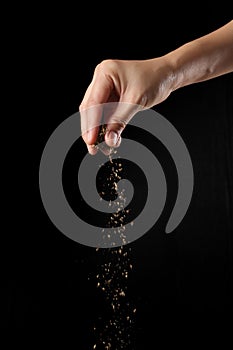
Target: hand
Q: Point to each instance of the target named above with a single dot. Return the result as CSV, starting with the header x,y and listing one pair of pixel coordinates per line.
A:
x,y
143,84
138,84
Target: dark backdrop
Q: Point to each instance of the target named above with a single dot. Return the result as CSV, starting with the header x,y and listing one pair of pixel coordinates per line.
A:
x,y
182,282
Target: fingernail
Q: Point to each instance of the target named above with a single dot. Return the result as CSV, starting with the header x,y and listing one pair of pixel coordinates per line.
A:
x,y
91,149
112,138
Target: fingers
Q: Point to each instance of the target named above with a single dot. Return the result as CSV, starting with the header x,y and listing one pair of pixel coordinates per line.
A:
x,y
116,118
92,149
91,110
90,121
107,85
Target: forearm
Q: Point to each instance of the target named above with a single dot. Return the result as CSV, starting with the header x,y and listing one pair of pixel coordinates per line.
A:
x,y
202,59
147,83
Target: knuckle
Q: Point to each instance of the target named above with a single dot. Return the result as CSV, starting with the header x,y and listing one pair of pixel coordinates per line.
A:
x,y
117,125
87,104
139,99
105,66
120,124
82,106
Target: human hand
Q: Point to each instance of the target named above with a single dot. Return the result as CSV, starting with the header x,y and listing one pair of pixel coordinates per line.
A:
x,y
142,84
135,84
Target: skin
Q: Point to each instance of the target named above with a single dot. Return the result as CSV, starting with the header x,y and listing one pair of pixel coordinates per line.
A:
x,y
147,83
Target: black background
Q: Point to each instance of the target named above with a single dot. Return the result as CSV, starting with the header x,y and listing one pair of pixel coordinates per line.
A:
x,y
182,282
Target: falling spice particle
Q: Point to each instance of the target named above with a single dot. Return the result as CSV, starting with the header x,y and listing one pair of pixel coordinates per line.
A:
x,y
112,279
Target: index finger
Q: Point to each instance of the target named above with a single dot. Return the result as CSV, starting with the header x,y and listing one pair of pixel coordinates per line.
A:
x,y
90,108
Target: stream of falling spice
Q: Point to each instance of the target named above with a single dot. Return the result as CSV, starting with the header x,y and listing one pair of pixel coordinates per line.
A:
x,y
116,331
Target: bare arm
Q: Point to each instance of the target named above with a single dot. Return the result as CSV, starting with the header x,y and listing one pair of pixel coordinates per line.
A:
x,y
204,58
147,83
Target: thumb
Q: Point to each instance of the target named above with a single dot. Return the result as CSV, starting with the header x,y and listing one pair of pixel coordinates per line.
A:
x,y
116,118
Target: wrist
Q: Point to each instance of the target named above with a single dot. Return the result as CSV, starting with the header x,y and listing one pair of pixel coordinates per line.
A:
x,y
188,64
164,72
169,72
176,70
